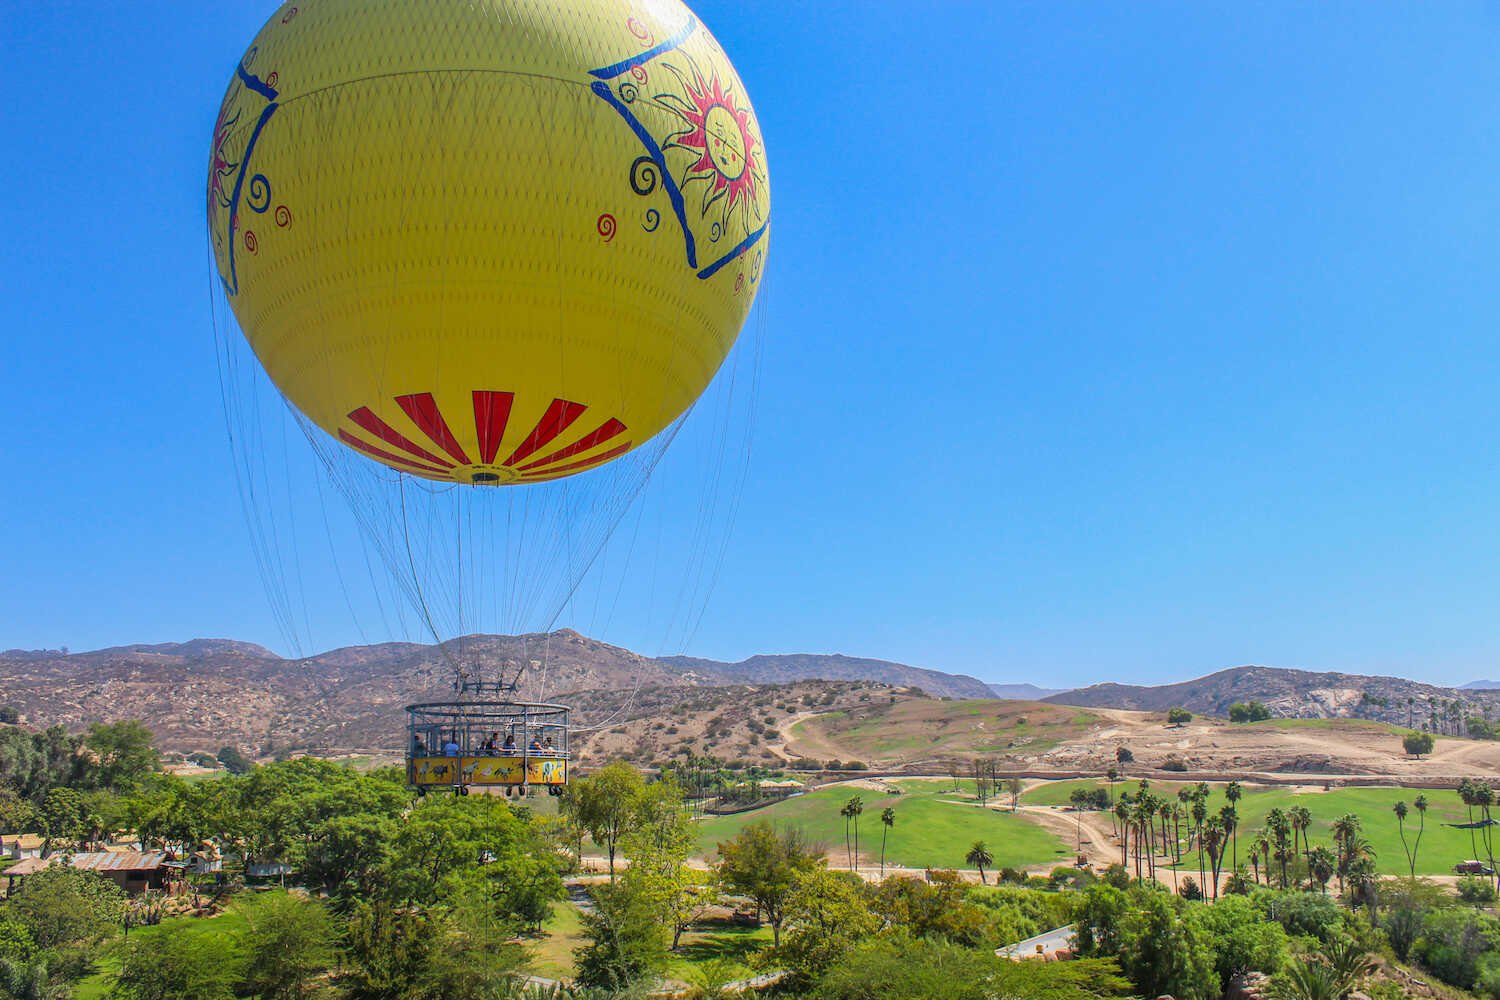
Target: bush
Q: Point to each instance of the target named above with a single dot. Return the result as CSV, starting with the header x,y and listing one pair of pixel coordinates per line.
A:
x,y
1174,763
1476,891
1189,888
1118,876
1179,717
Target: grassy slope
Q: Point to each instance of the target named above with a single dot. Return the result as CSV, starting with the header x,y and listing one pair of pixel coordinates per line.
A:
x,y
1441,846
881,731
929,832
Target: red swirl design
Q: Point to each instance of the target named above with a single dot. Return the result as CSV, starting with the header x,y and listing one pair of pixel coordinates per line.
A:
x,y
251,243
272,79
640,31
283,216
639,73
291,13
607,226
739,282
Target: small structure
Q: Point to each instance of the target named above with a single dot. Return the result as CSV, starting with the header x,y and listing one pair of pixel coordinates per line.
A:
x,y
19,846
133,871
1054,946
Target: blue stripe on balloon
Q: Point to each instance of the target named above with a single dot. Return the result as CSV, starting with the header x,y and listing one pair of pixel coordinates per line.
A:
x,y
745,244
673,192
624,65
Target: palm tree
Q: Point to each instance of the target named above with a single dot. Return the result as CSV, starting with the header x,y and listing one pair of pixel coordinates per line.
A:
x,y
887,820
1346,841
1280,827
1400,810
1231,821
1466,793
979,856
856,807
1484,798
1200,813
848,813
1257,846
1232,793
1122,829
1213,842
1301,819
1320,865
1421,804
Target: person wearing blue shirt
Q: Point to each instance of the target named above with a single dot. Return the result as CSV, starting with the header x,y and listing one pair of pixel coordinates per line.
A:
x,y
450,749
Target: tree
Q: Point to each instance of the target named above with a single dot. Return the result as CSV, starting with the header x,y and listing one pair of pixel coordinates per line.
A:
x,y
1417,744
290,941
1301,819
1400,810
1013,787
1243,940
895,967
658,850
826,915
979,856
1159,950
626,942
762,862
124,753
1421,806
1252,711
234,762
1123,756
9,715
887,820
606,804
1179,717
163,966
852,811
1321,865
64,907
1232,793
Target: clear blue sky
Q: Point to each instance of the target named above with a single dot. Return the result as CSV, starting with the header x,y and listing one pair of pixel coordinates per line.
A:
x,y
1101,341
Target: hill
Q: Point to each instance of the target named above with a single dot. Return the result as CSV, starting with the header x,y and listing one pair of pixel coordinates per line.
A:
x,y
1300,694
206,693
1480,686
834,667
1023,692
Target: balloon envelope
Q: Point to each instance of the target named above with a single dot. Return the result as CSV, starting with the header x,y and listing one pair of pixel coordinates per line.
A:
x,y
488,241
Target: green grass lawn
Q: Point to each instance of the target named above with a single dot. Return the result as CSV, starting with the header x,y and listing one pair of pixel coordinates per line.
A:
x,y
1440,848
562,934
721,941
929,831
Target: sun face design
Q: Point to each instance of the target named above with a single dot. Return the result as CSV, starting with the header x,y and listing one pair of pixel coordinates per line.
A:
x,y
719,134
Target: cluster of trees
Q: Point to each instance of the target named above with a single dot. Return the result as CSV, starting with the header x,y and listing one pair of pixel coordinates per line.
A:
x,y
989,784
1248,711
425,894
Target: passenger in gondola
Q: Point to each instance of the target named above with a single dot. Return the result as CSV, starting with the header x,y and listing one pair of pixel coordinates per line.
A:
x,y
547,745
536,745
488,746
451,748
510,740
418,748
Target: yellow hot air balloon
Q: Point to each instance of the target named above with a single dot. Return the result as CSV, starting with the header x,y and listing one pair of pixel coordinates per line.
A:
x,y
488,241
